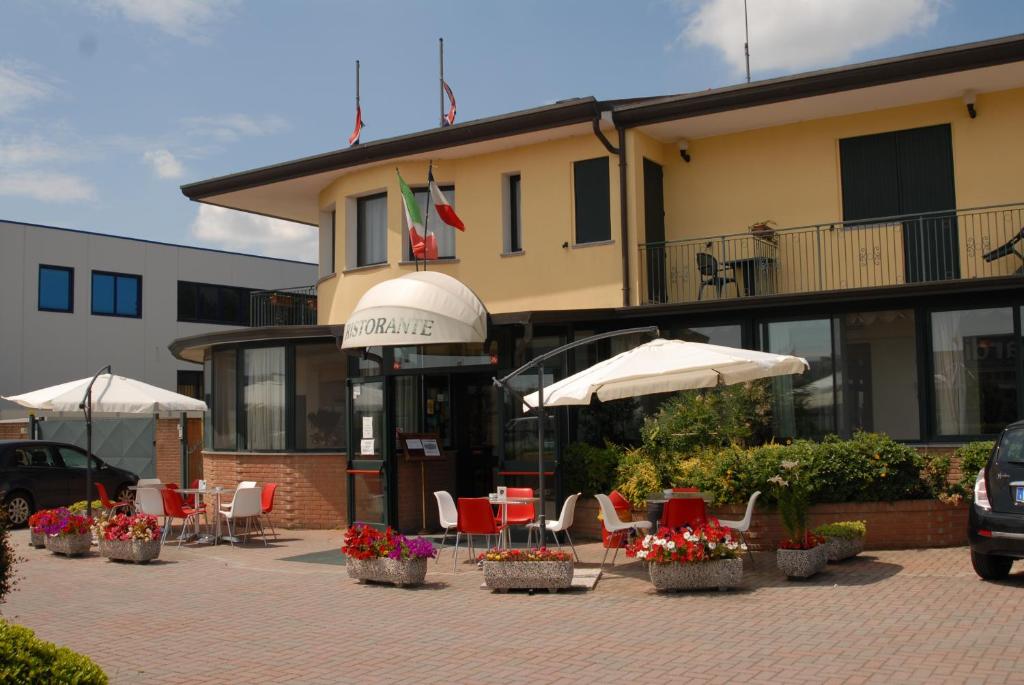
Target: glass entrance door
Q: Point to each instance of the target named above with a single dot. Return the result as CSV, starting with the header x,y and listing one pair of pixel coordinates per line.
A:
x,y
368,451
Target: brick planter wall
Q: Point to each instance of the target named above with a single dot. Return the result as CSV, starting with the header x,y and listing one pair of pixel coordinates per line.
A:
x,y
311,487
905,524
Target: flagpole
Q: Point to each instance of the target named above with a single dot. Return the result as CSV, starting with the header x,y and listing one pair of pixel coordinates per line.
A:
x,y
440,86
426,216
746,38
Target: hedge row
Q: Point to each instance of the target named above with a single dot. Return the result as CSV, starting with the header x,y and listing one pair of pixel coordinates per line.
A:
x,y
24,658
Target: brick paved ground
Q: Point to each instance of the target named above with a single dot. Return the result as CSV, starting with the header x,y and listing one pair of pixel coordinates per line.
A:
x,y
222,615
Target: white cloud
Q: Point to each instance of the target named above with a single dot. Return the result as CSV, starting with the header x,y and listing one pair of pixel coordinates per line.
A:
x,y
231,127
164,163
46,186
180,18
791,35
26,150
20,86
241,232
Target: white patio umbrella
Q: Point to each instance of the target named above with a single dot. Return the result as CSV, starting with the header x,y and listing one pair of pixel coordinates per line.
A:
x,y
665,366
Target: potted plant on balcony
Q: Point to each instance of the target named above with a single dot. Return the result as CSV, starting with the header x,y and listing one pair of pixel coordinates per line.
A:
x,y
36,523
67,533
386,557
134,538
763,229
803,554
527,569
843,539
705,557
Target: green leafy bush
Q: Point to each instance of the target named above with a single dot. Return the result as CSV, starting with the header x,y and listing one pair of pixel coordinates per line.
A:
x,y
973,456
637,477
80,507
847,530
24,658
7,558
589,469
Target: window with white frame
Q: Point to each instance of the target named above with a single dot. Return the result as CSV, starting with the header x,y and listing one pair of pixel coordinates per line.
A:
x,y
444,234
512,219
371,230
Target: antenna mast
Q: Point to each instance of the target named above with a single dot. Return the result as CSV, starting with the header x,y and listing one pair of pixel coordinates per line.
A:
x,y
746,38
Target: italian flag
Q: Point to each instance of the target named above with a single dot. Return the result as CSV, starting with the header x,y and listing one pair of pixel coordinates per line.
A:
x,y
422,248
444,208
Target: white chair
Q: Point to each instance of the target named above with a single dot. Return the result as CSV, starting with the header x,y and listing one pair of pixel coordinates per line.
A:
x,y
149,501
614,524
743,525
562,525
447,515
143,482
247,484
247,504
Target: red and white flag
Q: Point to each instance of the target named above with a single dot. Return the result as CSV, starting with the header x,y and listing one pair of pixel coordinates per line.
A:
x,y
354,138
449,118
441,204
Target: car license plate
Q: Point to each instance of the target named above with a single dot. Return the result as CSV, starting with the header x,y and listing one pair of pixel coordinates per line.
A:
x,y
1018,494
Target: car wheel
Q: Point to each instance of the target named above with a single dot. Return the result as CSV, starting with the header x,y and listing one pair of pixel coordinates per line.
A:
x,y
123,494
990,566
18,506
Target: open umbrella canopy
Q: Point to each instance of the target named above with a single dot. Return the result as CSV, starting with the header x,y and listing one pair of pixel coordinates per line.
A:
x,y
110,394
665,366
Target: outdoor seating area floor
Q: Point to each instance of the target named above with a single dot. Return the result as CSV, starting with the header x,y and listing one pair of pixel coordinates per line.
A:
x,y
222,614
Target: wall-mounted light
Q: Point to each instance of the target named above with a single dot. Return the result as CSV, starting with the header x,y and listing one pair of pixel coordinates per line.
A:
x,y
970,98
684,146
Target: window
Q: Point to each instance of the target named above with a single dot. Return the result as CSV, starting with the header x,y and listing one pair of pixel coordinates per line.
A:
x,y
442,232
319,397
513,214
75,459
974,367
34,456
190,384
334,240
116,294
592,198
263,398
804,405
372,230
225,392
216,304
56,288
728,335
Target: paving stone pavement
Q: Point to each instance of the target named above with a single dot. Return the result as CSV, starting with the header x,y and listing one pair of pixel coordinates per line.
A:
x,y
221,615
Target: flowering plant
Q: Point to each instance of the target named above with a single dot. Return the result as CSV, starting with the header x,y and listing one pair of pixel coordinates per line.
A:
x,y
122,527
59,522
808,541
793,493
536,554
707,542
366,542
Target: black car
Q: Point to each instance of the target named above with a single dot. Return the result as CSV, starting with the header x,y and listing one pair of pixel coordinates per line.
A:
x,y
37,474
996,522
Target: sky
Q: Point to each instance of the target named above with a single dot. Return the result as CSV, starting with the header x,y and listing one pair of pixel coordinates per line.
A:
x,y
108,106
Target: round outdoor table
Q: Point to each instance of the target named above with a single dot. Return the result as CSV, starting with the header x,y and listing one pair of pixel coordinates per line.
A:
x,y
216,492
503,502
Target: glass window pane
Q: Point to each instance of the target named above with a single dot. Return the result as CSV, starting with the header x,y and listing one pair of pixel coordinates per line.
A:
x,y
186,301
730,335
371,230
368,494
73,459
804,404
127,289
974,370
209,307
234,304
319,397
442,232
225,392
515,242
208,398
55,289
102,293
263,397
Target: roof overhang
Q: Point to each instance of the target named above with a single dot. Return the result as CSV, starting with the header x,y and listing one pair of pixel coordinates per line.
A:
x,y
193,347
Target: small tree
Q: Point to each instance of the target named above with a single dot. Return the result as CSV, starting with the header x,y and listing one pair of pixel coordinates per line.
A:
x,y
7,558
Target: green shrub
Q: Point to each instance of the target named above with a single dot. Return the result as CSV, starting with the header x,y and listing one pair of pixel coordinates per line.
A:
x,y
7,558
589,469
24,658
80,507
637,477
847,530
973,457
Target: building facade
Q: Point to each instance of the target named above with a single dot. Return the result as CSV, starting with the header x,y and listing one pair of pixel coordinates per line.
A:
x,y
75,301
866,218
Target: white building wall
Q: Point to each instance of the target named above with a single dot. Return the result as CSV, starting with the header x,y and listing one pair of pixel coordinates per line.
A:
x,y
38,349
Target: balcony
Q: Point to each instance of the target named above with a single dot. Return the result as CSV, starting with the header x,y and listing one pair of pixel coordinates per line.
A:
x,y
283,307
890,251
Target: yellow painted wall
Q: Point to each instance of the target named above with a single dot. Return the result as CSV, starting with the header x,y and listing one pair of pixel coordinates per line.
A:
x,y
545,276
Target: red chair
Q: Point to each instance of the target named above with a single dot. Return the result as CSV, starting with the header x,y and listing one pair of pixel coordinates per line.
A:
x,y
683,512
267,503
519,514
109,506
174,509
475,518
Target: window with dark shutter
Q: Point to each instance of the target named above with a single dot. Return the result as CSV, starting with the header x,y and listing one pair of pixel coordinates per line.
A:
x,y
592,197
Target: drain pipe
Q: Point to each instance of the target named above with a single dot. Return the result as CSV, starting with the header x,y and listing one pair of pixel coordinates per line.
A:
x,y
620,152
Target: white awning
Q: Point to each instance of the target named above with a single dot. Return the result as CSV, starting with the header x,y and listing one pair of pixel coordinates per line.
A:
x,y
421,308
110,395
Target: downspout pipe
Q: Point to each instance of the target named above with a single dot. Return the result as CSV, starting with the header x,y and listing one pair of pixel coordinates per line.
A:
x,y
620,151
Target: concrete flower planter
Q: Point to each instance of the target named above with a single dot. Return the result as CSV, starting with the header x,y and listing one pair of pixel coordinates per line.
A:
x,y
720,573
70,545
135,551
843,548
398,572
37,540
528,575
802,563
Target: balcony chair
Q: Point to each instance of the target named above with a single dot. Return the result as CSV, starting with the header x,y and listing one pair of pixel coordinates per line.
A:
x,y
110,507
175,510
711,273
614,524
562,525
447,515
475,518
743,525
246,506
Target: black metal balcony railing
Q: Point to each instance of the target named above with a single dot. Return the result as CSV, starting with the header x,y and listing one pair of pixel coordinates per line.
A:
x,y
283,307
891,251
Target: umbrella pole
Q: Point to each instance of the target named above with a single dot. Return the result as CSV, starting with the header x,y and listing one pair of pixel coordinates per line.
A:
x,y
86,407
540,452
